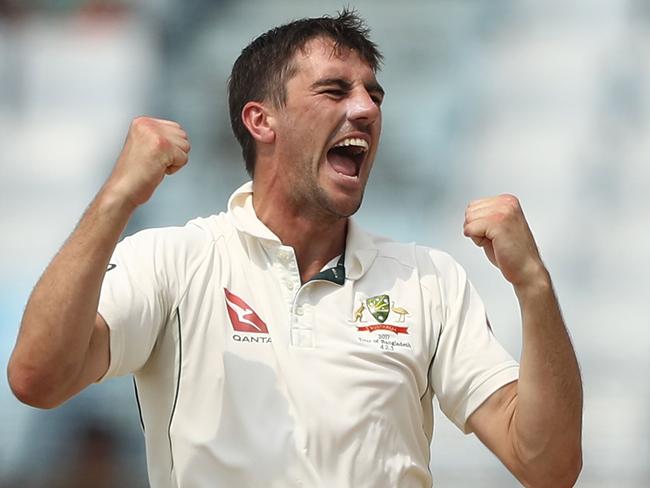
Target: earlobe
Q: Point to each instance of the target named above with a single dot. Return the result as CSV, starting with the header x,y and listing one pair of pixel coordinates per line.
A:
x,y
258,122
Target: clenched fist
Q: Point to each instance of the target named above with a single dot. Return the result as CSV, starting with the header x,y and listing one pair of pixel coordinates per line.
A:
x,y
153,148
498,225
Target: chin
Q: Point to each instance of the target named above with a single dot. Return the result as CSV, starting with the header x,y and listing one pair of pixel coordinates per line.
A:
x,y
339,201
345,207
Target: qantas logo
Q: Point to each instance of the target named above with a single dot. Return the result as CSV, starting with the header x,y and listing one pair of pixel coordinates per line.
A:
x,y
242,317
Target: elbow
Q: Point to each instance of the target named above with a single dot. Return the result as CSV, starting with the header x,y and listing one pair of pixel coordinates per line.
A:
x,y
30,388
566,476
561,474
572,470
576,470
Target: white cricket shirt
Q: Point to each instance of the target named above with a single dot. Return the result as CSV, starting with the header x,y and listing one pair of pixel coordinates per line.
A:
x,y
248,378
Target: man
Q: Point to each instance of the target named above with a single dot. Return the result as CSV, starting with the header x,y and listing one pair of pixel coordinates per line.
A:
x,y
278,344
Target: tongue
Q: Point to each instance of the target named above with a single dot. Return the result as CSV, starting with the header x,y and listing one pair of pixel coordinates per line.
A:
x,y
342,164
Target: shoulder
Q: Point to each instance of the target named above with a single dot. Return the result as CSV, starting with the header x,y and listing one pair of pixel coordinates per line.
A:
x,y
188,242
198,232
437,271
423,258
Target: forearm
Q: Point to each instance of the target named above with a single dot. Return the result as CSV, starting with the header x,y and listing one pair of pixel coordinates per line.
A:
x,y
59,318
546,426
62,344
534,425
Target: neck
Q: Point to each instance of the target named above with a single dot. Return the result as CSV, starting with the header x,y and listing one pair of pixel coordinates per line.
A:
x,y
316,240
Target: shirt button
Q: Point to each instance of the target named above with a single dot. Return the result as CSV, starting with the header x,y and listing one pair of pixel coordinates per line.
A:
x,y
289,285
300,310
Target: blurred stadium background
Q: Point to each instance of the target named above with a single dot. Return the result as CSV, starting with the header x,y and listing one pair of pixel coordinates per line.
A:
x,y
547,100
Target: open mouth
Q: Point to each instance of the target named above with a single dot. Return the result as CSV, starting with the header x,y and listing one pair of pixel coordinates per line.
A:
x,y
347,156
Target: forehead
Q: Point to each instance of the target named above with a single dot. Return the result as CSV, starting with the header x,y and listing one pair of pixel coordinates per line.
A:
x,y
321,57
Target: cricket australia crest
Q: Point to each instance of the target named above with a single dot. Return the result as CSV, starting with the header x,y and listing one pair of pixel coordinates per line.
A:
x,y
379,307
381,335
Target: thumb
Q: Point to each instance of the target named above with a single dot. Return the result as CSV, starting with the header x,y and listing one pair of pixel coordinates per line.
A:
x,y
481,241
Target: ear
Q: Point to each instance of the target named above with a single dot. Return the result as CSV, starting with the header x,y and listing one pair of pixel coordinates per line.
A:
x,y
258,121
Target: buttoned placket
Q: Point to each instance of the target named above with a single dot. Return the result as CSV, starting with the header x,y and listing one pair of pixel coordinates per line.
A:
x,y
295,298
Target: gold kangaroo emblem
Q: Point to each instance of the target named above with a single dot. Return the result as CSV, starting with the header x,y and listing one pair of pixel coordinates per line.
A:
x,y
402,312
358,313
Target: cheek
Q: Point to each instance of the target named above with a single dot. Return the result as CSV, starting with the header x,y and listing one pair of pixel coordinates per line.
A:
x,y
310,130
303,125
316,132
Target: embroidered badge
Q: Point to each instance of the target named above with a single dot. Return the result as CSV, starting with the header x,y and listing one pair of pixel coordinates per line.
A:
x,y
379,307
381,335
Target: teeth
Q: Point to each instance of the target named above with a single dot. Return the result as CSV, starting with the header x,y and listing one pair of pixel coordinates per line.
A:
x,y
353,141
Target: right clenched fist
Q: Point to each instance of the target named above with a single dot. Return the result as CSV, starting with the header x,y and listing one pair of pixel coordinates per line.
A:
x,y
153,148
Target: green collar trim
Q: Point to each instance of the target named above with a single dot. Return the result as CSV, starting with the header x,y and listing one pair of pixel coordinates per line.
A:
x,y
334,275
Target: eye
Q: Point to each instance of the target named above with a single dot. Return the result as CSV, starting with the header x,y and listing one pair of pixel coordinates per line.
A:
x,y
334,92
378,99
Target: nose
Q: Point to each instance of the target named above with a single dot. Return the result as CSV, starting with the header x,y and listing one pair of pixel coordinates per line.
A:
x,y
362,108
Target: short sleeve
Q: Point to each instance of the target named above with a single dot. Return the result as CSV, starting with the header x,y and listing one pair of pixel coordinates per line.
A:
x,y
469,363
133,302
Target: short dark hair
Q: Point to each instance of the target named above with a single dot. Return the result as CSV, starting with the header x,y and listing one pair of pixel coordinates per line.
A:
x,y
263,68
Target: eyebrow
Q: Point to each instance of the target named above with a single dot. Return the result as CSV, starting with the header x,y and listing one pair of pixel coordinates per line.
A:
x,y
347,86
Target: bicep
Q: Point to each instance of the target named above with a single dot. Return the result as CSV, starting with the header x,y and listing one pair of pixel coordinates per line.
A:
x,y
492,423
95,363
97,356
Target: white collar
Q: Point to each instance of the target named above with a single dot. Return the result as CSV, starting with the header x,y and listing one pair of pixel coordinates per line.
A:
x,y
360,249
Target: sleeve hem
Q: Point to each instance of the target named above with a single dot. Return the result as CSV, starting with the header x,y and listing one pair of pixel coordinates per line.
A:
x,y
507,373
116,349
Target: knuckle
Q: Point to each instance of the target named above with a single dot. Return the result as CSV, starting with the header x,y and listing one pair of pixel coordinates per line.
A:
x,y
140,121
510,200
161,142
143,129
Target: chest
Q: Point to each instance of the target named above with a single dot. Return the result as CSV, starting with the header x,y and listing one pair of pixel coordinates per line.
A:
x,y
380,328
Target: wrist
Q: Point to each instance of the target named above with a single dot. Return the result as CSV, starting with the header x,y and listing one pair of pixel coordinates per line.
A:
x,y
537,282
112,201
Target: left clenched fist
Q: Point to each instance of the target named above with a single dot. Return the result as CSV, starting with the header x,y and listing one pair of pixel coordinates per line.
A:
x,y
497,224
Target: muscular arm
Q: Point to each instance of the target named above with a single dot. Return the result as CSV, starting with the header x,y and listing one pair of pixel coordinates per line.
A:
x,y
532,425
63,344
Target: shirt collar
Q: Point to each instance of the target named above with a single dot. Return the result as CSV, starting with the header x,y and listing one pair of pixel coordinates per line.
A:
x,y
242,214
360,249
